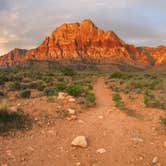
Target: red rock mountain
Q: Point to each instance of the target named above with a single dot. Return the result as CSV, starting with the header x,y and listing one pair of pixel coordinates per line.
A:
x,y
84,41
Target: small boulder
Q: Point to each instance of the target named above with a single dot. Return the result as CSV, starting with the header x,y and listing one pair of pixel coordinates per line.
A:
x,y
61,95
71,111
101,150
72,117
80,141
101,117
155,160
136,139
71,99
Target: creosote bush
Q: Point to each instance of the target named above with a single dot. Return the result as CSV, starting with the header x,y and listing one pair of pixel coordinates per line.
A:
x,y
24,94
15,86
74,90
50,91
10,121
90,97
67,71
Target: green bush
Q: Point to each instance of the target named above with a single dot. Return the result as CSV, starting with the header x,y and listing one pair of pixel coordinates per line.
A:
x,y
49,91
13,120
67,71
41,85
60,86
74,90
116,97
33,85
163,120
147,97
116,75
90,97
15,86
150,100
24,94
118,101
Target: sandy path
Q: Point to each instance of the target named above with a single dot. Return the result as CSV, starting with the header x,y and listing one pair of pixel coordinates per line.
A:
x,y
104,126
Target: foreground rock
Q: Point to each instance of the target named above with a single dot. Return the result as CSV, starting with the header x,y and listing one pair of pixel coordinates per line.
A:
x,y
101,150
80,141
155,160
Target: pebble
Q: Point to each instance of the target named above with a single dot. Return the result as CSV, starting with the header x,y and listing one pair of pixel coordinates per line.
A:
x,y
78,164
101,150
155,160
72,100
71,111
137,139
101,117
80,141
80,121
72,117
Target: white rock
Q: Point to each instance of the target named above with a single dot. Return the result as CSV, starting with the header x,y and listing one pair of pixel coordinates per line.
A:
x,y
72,117
61,96
80,141
80,121
71,99
78,164
137,139
71,111
101,150
155,160
101,117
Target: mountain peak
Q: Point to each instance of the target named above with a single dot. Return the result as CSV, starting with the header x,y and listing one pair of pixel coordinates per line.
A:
x,y
87,22
85,40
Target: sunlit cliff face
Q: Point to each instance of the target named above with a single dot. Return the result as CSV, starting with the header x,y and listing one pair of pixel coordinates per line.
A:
x,y
86,41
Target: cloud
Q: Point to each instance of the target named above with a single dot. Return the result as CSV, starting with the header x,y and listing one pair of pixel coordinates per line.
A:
x,y
25,23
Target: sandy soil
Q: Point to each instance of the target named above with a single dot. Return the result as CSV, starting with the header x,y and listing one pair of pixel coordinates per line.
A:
x,y
128,141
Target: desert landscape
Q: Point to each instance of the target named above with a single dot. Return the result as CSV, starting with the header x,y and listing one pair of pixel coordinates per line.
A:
x,y
83,97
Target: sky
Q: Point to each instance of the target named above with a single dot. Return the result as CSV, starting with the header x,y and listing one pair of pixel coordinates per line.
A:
x,y
25,23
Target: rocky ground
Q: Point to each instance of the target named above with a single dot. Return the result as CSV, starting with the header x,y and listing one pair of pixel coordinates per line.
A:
x,y
100,136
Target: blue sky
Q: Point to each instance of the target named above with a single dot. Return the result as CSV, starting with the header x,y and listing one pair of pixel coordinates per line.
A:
x,y
25,23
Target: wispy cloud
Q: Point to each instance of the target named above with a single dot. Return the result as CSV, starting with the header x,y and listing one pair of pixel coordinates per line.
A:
x,y
25,23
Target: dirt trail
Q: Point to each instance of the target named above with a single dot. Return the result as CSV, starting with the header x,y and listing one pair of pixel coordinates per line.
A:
x,y
128,141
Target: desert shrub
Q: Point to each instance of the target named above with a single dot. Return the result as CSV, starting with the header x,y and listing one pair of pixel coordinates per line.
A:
x,y
116,97
61,79
118,101
114,88
116,75
147,97
67,71
13,120
163,120
60,86
51,99
90,97
24,94
41,85
74,90
49,91
156,101
153,84
32,85
15,86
